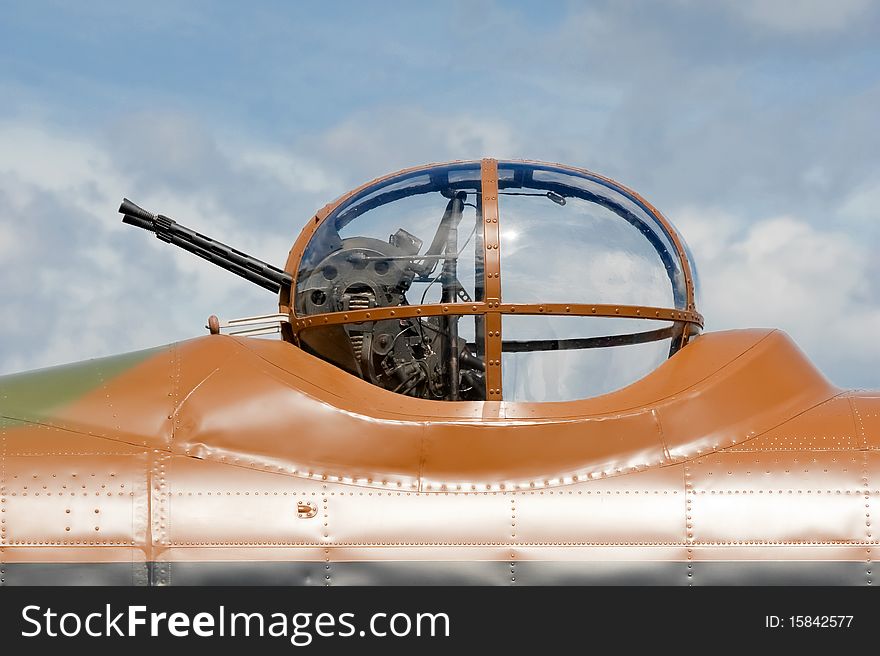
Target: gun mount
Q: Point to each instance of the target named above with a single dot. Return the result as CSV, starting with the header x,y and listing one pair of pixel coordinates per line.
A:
x,y
400,282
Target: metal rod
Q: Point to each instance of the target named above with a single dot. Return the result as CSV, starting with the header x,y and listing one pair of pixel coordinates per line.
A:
x,y
450,289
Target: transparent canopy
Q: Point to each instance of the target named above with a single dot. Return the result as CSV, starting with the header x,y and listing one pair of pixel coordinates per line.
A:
x,y
406,251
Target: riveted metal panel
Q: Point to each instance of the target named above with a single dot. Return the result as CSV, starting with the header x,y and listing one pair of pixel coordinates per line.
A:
x,y
644,507
246,573
51,574
871,494
363,516
492,278
778,471
420,573
75,500
537,455
73,565
206,503
212,554
253,414
585,572
38,440
458,553
713,417
771,516
558,573
778,572
828,426
777,497
866,414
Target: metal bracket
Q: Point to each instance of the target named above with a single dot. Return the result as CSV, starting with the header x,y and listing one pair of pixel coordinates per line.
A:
x,y
306,509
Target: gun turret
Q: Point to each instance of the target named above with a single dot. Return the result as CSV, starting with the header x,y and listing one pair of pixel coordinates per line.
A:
x,y
250,268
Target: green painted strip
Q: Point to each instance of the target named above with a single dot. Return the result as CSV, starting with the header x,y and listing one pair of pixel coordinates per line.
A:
x,y
35,395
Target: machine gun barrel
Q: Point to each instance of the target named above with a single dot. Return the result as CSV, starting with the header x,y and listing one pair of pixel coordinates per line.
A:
x,y
226,257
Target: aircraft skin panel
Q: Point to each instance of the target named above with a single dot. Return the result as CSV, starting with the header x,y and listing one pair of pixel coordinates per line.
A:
x,y
40,396
751,469
866,413
219,401
638,573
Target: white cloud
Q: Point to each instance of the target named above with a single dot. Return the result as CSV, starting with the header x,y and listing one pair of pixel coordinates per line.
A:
x,y
294,172
862,206
782,272
34,159
96,287
78,284
372,143
801,16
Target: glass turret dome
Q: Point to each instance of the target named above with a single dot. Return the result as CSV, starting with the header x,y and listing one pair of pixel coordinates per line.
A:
x,y
492,280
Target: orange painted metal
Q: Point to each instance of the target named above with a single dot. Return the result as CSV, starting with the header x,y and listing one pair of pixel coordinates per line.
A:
x,y
737,443
492,279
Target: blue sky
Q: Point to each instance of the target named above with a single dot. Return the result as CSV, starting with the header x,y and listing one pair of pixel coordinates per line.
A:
x,y
751,124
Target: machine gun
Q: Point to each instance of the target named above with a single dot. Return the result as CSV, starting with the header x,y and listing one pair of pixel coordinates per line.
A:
x,y
250,268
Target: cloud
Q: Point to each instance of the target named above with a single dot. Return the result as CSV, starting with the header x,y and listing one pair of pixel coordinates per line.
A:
x,y
78,283
801,16
369,143
783,272
757,118
862,206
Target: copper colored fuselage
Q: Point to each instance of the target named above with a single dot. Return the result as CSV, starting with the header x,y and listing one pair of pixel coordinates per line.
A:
x,y
238,460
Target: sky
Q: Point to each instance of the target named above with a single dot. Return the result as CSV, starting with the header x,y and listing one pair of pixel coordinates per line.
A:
x,y
751,124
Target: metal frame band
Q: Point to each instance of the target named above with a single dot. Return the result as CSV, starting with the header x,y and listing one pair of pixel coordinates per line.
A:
x,y
492,278
497,308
